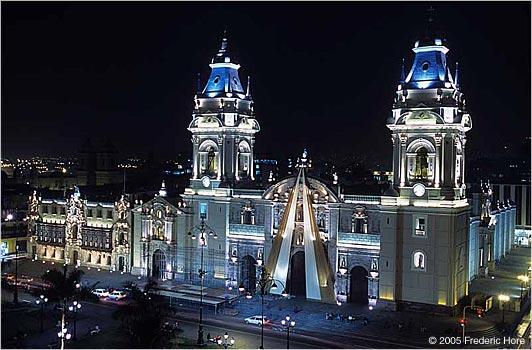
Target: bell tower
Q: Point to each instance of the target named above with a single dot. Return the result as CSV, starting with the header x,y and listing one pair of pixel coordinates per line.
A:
x,y
429,124
223,126
425,216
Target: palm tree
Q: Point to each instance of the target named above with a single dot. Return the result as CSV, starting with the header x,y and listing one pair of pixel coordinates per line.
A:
x,y
143,317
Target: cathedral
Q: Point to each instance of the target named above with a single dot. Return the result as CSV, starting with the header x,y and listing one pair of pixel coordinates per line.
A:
x,y
417,246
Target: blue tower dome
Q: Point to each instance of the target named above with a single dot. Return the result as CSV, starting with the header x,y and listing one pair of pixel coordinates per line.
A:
x,y
429,69
224,80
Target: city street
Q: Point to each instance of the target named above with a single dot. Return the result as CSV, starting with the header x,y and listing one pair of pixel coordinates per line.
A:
x,y
312,329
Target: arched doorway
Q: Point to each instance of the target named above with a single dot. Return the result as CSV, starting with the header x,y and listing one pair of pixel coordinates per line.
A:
x,y
358,291
248,275
297,284
159,263
75,257
121,264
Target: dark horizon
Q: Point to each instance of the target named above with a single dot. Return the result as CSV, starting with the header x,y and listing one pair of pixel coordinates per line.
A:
x,y
323,75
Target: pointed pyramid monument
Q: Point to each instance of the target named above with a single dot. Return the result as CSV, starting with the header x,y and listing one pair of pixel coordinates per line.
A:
x,y
318,275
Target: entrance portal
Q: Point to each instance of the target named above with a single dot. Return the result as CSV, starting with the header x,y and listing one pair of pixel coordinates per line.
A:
x,y
358,292
248,275
75,257
297,283
121,264
159,264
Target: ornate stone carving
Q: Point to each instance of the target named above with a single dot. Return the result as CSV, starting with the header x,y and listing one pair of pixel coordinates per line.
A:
x,y
122,208
75,216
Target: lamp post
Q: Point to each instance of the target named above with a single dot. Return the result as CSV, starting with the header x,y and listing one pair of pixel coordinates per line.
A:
x,y
265,283
15,293
288,323
41,301
503,298
226,342
74,308
524,281
64,336
201,229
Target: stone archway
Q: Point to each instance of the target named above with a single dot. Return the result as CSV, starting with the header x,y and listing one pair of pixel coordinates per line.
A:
x,y
358,290
297,284
159,264
248,274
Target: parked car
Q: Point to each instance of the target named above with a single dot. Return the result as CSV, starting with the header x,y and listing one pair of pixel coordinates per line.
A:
x,y
100,292
256,320
117,295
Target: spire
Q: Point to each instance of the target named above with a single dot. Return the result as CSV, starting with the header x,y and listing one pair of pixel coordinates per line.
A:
x,y
248,90
198,83
222,55
430,27
403,76
456,81
162,191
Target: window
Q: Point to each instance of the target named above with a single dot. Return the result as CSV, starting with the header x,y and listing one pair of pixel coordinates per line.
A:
x,y
54,210
89,213
63,211
110,214
99,213
422,164
425,66
203,210
418,260
420,226
45,209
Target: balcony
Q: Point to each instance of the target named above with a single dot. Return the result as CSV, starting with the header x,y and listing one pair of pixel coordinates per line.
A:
x,y
362,199
370,240
246,230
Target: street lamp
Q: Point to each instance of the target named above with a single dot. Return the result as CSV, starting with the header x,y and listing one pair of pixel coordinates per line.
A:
x,y
15,294
201,229
288,323
503,298
524,281
74,308
64,336
226,342
265,283
41,301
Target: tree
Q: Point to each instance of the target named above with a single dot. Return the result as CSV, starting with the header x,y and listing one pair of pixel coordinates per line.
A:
x,y
143,317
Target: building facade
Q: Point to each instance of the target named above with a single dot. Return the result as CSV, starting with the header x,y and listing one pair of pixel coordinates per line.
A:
x,y
78,232
417,246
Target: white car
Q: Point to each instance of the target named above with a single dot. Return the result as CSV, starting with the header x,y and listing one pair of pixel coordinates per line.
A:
x,y
117,295
100,292
256,320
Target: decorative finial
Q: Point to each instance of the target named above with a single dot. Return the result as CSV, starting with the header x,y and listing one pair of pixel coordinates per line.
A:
x,y
248,90
162,191
403,76
223,49
430,13
456,81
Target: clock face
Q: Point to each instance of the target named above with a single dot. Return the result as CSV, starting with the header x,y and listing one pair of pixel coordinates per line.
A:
x,y
419,190
205,181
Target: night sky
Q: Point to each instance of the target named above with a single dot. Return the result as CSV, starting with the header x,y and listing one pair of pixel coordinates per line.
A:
x,y
323,74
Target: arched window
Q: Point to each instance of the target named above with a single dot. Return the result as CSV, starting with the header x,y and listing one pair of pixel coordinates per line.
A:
x,y
422,164
211,162
419,260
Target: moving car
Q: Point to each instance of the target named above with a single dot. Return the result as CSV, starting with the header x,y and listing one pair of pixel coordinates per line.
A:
x,y
117,295
256,320
100,292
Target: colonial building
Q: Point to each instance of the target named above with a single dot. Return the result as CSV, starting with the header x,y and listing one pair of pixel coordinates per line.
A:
x,y
415,246
79,232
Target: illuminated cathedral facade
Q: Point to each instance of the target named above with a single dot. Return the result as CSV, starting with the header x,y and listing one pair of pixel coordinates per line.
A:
x,y
416,246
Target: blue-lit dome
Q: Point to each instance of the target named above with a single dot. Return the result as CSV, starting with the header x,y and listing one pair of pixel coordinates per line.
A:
x,y
224,80
429,69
